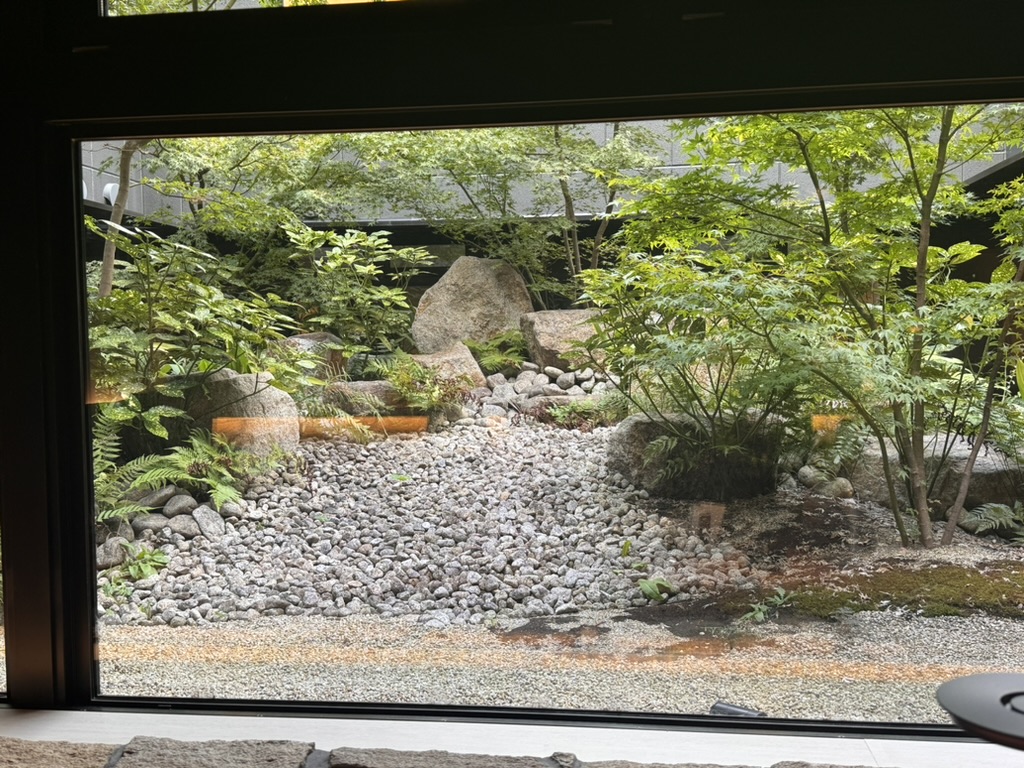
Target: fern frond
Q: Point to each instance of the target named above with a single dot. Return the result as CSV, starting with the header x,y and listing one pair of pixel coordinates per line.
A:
x,y
992,517
159,476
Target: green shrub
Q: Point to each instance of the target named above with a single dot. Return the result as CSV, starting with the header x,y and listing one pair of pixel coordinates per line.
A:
x,y
504,352
586,414
207,465
354,285
423,389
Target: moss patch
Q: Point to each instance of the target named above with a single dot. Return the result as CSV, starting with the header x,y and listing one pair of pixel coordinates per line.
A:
x,y
995,589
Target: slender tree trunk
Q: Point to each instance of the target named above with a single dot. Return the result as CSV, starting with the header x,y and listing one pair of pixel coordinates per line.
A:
x,y
918,479
956,511
602,228
571,234
128,150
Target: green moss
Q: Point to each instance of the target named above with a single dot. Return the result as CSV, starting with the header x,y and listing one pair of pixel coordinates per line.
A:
x,y
996,589
824,603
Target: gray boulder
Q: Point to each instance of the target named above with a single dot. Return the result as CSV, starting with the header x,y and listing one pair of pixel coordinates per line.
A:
x,y
249,410
181,504
210,522
454,361
835,488
111,553
552,334
475,299
996,478
184,525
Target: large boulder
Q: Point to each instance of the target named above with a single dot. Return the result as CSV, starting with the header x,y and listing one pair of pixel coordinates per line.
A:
x,y
249,410
996,478
737,474
475,299
551,335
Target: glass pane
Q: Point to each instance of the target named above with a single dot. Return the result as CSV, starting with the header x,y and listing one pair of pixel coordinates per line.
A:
x,y
149,7
655,417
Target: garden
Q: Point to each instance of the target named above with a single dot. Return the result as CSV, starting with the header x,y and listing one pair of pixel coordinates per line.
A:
x,y
634,438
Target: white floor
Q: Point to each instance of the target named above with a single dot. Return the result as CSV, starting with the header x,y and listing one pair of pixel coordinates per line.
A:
x,y
589,744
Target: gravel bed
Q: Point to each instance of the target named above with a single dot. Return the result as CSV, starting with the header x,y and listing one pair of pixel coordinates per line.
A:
x,y
455,527
501,566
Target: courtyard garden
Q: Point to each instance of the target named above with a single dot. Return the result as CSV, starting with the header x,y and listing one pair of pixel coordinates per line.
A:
x,y
641,440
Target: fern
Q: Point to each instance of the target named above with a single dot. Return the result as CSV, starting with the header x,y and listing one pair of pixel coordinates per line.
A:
x,y
840,454
206,464
112,481
506,350
994,518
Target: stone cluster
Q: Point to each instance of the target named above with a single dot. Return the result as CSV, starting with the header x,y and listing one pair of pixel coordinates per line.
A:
x,y
453,527
530,389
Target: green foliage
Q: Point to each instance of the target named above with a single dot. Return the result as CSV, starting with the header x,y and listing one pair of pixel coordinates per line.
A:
x,y
169,320
586,414
993,588
674,327
142,562
111,479
838,292
207,465
510,193
657,589
503,352
115,587
836,446
1002,519
244,188
767,609
342,282
423,389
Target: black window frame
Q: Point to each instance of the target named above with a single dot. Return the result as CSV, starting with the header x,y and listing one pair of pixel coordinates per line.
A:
x,y
421,64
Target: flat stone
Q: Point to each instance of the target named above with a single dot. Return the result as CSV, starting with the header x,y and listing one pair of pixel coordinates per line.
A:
x,y
389,758
151,522
28,753
156,499
147,752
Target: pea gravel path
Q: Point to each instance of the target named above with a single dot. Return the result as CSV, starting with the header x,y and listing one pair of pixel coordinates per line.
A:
x,y
880,667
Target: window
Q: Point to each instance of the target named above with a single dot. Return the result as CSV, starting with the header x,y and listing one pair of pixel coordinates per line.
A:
x,y
49,441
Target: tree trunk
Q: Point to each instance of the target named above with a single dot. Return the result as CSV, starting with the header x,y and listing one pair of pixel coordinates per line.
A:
x,y
957,510
128,150
918,480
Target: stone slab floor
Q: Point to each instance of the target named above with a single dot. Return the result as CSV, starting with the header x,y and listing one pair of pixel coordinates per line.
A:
x,y
588,744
